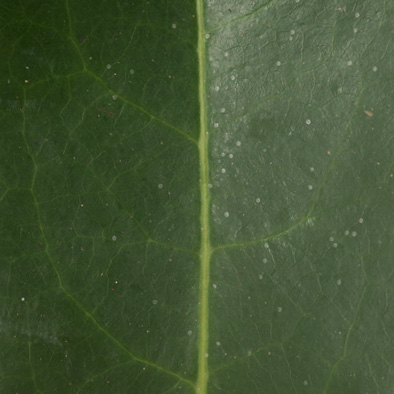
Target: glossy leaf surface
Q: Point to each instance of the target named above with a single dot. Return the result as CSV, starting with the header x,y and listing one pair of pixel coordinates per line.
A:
x,y
197,197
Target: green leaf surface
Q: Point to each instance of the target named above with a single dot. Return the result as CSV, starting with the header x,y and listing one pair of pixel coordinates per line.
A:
x,y
197,196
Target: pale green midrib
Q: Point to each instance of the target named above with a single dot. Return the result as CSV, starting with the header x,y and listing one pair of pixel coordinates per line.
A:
x,y
205,251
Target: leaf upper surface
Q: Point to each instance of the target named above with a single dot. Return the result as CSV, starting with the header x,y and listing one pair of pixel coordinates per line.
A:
x,y
196,197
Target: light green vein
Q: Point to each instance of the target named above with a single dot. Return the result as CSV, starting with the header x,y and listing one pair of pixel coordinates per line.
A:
x,y
139,108
206,250
112,92
33,374
91,318
71,33
243,17
120,345
148,238
304,220
344,354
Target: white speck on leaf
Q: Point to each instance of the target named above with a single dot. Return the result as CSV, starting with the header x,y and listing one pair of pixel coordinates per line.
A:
x,y
310,187
114,97
374,69
132,71
354,233
218,343
280,309
160,186
360,220
258,200
154,302
357,15
266,245
238,143
349,63
174,26
114,238
216,124
23,299
339,282
232,77
226,214
190,332
108,66
308,121
214,286
278,63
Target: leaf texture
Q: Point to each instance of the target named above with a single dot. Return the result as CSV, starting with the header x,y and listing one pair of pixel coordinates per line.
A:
x,y
197,196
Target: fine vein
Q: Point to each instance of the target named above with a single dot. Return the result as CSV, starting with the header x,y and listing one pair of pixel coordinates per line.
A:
x,y
205,251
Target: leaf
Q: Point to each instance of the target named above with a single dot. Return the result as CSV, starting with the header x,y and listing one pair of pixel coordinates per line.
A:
x,y
196,197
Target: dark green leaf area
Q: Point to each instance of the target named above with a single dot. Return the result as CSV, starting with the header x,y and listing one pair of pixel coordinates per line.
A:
x,y
124,138
76,361
141,51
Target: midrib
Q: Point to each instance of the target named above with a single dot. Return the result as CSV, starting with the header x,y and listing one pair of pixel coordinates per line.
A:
x,y
205,251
